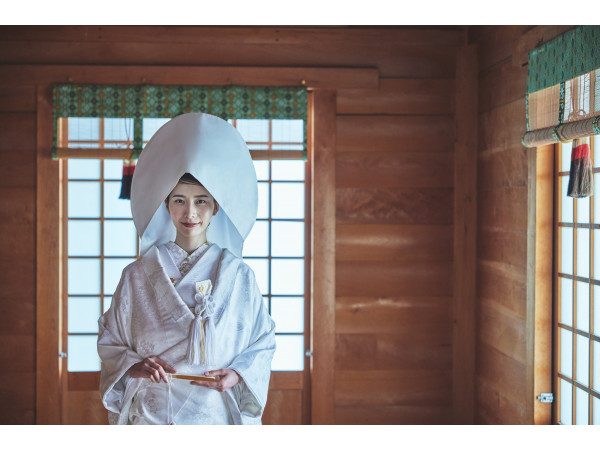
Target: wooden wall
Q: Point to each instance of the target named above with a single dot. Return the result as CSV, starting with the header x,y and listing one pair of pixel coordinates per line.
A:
x,y
504,319
394,236
394,195
17,254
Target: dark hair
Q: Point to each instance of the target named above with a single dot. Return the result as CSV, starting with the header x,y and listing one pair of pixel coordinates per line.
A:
x,y
187,178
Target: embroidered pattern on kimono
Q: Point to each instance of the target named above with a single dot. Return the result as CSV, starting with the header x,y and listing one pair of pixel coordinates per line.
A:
x,y
148,316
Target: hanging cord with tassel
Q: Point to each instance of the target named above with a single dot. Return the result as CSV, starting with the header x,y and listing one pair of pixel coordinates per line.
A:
x,y
202,329
128,168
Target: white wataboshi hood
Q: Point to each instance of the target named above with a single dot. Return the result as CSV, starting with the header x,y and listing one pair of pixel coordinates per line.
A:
x,y
213,151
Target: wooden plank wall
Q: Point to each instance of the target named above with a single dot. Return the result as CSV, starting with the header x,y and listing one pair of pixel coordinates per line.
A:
x,y
504,355
17,254
394,194
394,244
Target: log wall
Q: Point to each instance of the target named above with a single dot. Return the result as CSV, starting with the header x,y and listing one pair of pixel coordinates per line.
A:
x,y
504,374
394,194
17,254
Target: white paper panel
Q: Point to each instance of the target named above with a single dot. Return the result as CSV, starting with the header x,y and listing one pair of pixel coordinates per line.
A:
x,y
263,201
288,314
583,252
596,196
84,237
566,352
583,360
84,199
597,311
82,354
566,156
287,238
596,368
113,169
120,238
287,130
288,276
583,407
583,210
118,129
253,130
566,301
566,202
566,402
288,170
288,200
566,265
583,306
289,354
84,169
83,276
596,273
83,314
84,129
114,207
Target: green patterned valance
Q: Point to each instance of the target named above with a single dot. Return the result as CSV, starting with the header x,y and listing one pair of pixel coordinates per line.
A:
x,y
563,88
143,101
569,55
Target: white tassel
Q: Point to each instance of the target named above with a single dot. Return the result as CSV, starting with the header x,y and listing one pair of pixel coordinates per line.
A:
x,y
209,341
194,351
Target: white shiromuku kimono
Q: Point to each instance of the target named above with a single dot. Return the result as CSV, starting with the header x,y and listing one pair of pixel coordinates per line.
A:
x,y
150,315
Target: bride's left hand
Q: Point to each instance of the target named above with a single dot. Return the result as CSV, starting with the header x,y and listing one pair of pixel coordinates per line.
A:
x,y
224,379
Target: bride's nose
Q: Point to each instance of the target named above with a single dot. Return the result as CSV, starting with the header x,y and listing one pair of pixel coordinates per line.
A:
x,y
190,210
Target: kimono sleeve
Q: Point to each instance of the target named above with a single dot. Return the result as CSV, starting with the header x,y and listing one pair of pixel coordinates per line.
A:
x,y
115,347
253,364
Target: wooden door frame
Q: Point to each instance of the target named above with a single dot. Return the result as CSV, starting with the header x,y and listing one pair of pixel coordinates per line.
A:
x,y
323,83
540,271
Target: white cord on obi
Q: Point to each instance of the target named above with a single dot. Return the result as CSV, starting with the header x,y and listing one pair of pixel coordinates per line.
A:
x,y
202,330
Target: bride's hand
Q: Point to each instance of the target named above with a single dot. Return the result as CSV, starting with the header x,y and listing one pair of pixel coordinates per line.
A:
x,y
225,379
152,367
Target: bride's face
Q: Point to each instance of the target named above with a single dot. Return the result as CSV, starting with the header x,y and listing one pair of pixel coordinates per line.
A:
x,y
191,208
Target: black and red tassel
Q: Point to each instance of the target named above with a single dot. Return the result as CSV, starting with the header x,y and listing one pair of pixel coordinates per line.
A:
x,y
128,168
581,177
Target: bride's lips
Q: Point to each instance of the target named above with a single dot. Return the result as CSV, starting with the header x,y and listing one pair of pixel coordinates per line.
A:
x,y
189,225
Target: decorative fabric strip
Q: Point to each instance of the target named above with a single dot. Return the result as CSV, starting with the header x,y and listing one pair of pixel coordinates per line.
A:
x,y
561,104
145,101
567,56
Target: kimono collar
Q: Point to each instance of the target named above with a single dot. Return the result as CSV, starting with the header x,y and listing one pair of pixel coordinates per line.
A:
x,y
182,259
169,300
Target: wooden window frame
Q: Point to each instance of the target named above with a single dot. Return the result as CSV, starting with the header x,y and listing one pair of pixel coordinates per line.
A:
x,y
540,248
86,381
322,87
557,326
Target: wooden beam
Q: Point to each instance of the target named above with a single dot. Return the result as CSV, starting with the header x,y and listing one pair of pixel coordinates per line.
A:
x,y
48,407
322,116
238,35
311,77
119,153
465,234
539,283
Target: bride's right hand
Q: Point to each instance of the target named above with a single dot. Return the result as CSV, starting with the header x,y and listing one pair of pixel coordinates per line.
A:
x,y
152,367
